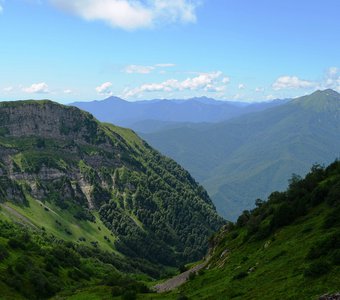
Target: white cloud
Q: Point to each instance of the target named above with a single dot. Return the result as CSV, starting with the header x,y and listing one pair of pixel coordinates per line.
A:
x,y
292,82
241,86
131,14
237,97
165,65
270,97
226,80
68,91
209,82
259,90
139,69
135,69
1,9
104,89
332,79
37,88
8,89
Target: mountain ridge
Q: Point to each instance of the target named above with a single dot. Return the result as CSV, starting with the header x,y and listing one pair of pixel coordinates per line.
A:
x,y
65,158
193,110
239,154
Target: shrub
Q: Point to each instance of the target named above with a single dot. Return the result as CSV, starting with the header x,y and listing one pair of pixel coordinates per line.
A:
x,y
335,256
240,275
192,275
284,215
116,291
333,197
332,219
317,269
182,297
3,252
15,243
22,264
129,295
182,268
323,247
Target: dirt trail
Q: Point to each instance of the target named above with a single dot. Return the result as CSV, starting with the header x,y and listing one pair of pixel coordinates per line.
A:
x,y
178,280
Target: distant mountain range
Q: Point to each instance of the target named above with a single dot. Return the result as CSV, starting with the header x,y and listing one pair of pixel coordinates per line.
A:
x,y
154,115
248,157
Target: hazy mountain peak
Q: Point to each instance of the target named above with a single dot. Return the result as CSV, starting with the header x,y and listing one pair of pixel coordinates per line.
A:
x,y
321,100
113,98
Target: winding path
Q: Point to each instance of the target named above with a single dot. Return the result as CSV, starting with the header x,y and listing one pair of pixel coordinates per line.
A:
x,y
178,280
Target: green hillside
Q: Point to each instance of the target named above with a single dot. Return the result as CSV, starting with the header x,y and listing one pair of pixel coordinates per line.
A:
x,y
285,248
92,187
246,158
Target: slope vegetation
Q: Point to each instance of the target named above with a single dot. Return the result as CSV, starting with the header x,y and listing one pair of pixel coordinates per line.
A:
x,y
246,158
285,248
99,185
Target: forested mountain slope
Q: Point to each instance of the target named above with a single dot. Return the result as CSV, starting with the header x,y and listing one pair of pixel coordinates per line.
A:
x,y
286,248
99,185
246,158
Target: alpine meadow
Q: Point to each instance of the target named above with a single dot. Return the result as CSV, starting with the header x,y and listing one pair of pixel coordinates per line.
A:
x,y
172,150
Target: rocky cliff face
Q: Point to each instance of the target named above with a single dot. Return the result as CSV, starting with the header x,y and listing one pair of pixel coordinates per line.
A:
x,y
27,118
63,155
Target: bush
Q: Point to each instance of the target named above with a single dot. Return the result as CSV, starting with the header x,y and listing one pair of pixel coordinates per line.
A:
x,y
240,275
182,297
322,248
284,215
3,252
182,268
129,295
22,264
192,275
116,291
333,197
317,269
15,243
335,256
332,219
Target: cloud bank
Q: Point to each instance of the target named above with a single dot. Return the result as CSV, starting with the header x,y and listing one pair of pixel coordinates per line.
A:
x,y
131,14
209,82
292,82
139,69
37,88
104,89
332,79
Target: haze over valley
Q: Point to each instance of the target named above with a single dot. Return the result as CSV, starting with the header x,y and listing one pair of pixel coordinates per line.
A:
x,y
174,150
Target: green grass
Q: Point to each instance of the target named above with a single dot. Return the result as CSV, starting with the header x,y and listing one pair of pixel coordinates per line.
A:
x,y
92,293
48,218
129,135
279,263
8,293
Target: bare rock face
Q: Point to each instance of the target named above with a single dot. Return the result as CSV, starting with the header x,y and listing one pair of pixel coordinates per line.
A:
x,y
47,120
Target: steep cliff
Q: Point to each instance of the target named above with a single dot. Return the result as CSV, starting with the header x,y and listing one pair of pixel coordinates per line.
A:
x,y
58,161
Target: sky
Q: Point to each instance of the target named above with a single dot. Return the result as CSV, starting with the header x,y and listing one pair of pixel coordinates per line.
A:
x,y
246,50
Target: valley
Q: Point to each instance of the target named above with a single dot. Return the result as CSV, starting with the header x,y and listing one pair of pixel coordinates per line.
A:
x,y
169,150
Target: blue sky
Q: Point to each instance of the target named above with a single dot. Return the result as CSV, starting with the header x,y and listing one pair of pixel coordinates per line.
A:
x,y
144,49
